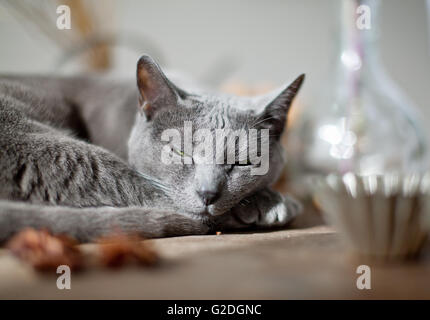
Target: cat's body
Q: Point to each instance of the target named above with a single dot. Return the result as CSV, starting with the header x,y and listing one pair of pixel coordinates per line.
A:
x,y
63,159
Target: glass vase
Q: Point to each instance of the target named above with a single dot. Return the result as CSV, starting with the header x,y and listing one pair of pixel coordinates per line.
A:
x,y
362,123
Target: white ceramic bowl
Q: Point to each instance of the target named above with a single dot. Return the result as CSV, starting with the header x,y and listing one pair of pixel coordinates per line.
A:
x,y
384,217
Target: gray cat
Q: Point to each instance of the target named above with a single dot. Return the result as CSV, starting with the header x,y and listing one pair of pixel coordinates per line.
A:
x,y
64,144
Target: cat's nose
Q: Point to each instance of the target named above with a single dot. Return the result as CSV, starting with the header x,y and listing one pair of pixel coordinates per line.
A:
x,y
208,196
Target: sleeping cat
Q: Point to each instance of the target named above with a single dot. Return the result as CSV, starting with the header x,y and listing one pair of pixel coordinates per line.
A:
x,y
77,157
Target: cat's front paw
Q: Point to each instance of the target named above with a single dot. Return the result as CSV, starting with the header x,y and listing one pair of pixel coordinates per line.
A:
x,y
267,208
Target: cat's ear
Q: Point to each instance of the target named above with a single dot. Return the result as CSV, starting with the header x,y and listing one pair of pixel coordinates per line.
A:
x,y
155,90
275,112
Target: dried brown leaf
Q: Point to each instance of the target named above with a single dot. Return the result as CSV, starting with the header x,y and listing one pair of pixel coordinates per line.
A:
x,y
118,250
44,251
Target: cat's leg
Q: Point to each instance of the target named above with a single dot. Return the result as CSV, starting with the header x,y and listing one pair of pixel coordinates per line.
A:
x,y
87,224
56,169
264,209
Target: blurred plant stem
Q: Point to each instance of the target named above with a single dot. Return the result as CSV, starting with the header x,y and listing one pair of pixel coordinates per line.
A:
x,y
99,57
88,20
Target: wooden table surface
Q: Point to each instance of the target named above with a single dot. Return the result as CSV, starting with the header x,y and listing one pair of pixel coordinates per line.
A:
x,y
301,263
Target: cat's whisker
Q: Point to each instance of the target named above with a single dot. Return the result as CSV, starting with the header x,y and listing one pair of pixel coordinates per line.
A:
x,y
244,202
156,183
258,122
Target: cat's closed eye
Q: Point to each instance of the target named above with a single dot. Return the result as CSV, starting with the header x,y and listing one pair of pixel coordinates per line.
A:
x,y
181,154
242,164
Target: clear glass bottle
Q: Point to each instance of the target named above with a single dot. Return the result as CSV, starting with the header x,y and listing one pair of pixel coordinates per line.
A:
x,y
362,123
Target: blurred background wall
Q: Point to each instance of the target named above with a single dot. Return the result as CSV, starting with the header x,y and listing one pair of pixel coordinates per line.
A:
x,y
251,41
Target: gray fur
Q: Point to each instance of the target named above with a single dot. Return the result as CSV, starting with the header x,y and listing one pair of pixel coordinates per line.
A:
x,y
76,157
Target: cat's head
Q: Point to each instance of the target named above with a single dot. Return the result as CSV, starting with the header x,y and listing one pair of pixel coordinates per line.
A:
x,y
176,130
